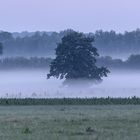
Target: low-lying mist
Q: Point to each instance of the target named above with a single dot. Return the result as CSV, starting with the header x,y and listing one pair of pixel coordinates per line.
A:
x,y
34,83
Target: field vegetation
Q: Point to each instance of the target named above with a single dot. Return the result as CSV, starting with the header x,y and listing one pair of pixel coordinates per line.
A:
x,y
71,101
73,122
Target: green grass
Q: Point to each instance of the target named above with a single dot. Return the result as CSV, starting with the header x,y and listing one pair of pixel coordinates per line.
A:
x,y
108,122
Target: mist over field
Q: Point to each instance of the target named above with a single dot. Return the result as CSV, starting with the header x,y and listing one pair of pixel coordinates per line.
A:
x,y
33,83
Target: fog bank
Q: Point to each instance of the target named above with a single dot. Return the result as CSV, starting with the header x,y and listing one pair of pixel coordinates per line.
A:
x,y
23,84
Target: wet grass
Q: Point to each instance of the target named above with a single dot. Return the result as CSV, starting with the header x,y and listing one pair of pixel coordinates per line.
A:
x,y
108,122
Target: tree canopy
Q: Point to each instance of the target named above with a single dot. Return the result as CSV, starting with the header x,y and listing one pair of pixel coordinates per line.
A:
x,y
76,59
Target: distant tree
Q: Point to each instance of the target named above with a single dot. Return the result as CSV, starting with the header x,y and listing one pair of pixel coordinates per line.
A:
x,y
133,61
1,48
76,59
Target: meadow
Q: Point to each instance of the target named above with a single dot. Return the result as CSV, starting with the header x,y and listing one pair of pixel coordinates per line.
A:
x,y
63,122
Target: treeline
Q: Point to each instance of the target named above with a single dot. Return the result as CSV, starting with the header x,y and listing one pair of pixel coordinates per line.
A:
x,y
117,43
133,62
22,62
35,45
71,101
44,43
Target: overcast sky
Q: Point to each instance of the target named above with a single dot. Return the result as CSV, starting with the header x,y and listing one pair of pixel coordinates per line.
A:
x,y
80,15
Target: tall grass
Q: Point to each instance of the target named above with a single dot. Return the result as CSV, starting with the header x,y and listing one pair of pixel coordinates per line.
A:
x,y
71,101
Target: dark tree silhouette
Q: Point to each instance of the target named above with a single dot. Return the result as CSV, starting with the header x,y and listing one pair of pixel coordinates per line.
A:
x,y
1,48
76,59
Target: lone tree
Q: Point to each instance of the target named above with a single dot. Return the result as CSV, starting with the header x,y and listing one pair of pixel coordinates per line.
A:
x,y
76,59
1,48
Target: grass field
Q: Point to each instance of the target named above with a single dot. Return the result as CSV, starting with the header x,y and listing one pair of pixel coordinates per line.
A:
x,y
70,122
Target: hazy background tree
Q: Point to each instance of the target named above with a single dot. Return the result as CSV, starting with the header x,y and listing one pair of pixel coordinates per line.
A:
x,y
76,59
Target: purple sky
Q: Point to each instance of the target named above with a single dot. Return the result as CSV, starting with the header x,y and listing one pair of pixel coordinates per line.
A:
x,y
82,15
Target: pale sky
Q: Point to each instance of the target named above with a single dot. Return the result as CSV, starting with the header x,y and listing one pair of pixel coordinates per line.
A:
x,y
80,15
